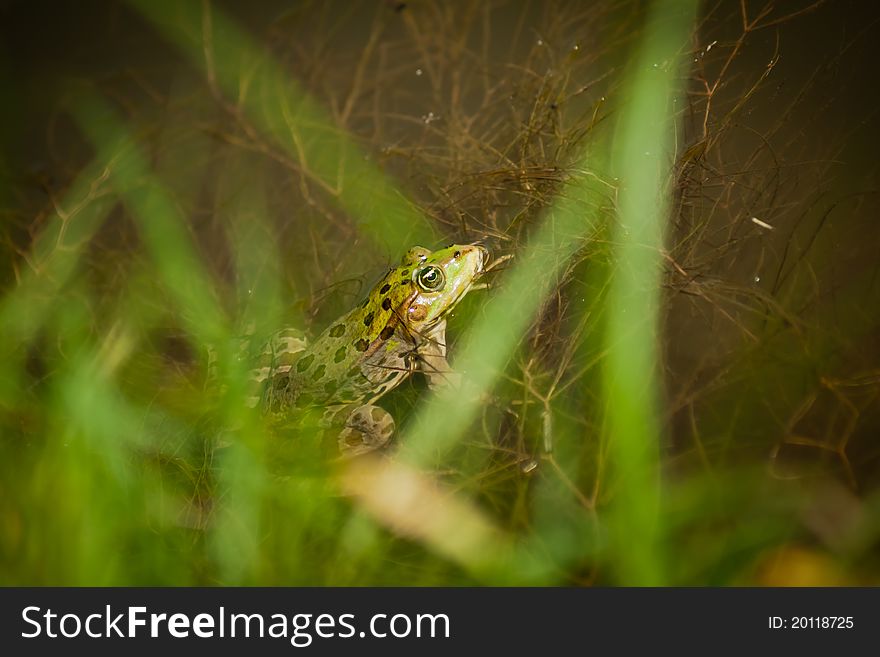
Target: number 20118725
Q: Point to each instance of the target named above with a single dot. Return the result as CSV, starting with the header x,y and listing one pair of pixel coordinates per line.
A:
x,y
810,623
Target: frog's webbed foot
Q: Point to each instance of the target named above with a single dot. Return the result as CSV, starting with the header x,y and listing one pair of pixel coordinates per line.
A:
x,y
366,428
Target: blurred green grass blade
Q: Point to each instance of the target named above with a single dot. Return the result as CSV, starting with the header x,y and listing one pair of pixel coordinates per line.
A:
x,y
642,158
90,403
255,251
277,105
160,221
51,265
234,534
84,484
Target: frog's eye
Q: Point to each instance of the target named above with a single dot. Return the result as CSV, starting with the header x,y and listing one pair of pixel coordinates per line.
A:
x,y
431,278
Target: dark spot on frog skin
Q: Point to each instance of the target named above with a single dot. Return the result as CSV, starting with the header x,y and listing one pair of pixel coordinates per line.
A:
x,y
319,372
385,288
404,275
361,345
330,387
387,332
368,319
303,363
456,255
340,355
386,304
337,331
354,371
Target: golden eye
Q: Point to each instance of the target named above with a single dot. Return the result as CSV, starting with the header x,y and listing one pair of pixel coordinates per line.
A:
x,y
431,278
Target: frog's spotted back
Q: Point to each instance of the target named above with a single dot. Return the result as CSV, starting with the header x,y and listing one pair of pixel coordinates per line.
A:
x,y
400,326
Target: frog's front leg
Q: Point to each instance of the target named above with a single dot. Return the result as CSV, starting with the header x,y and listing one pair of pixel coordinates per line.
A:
x,y
362,428
432,360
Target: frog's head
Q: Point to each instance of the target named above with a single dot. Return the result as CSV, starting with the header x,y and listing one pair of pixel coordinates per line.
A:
x,y
439,280
415,296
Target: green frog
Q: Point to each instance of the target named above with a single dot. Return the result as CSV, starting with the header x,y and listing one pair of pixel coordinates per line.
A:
x,y
399,328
